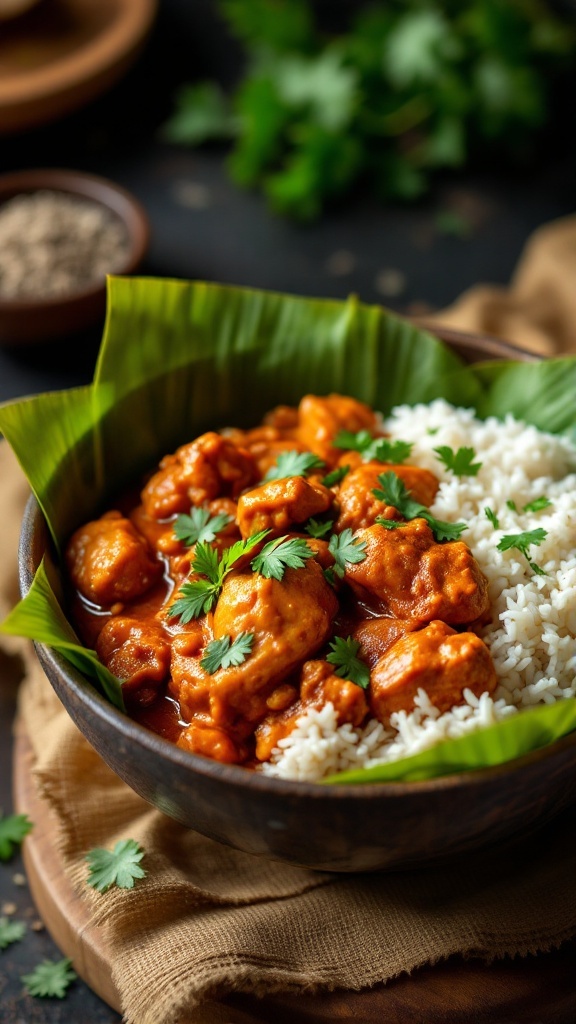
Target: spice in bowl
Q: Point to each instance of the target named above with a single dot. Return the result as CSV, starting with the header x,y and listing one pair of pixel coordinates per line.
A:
x,y
54,244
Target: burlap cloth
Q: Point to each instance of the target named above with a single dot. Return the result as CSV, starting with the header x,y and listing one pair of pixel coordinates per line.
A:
x,y
207,920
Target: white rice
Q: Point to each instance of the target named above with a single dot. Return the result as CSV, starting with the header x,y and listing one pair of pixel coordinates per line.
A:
x,y
532,637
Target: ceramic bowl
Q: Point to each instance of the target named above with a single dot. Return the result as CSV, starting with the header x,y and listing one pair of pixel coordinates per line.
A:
x,y
36,320
334,828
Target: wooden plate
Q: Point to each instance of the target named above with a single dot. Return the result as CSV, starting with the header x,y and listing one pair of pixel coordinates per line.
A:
x,y
63,53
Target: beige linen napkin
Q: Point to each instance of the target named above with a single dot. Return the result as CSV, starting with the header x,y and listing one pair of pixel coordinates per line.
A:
x,y
207,920
538,310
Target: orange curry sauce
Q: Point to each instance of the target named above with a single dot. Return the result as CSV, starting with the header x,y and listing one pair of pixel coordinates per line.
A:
x,y
409,603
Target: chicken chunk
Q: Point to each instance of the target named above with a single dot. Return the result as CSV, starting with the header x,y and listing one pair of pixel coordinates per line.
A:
x,y
377,635
109,562
279,504
436,659
210,467
138,653
289,620
318,686
359,506
322,418
412,577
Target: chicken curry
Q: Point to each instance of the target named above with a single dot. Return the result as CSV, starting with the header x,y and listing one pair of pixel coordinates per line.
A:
x,y
262,572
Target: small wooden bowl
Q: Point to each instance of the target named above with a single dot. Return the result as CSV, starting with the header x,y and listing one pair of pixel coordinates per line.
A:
x,y
332,828
32,321
62,54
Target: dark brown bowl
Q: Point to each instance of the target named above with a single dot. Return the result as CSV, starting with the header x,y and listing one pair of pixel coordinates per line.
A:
x,y
333,828
32,321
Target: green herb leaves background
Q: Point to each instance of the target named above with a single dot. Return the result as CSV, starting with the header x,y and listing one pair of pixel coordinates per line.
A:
x,y
408,88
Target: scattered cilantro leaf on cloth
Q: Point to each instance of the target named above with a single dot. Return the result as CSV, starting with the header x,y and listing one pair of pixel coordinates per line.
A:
x,y
333,478
13,829
281,554
492,517
347,550
522,542
393,491
50,979
317,529
120,866
294,463
344,656
223,653
200,526
11,931
460,462
537,505
197,597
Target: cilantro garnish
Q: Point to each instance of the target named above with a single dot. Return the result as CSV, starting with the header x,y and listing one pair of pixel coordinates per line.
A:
x,y
200,526
377,449
346,550
50,979
511,505
280,554
120,867
492,517
317,529
294,463
461,462
13,828
333,478
224,652
537,505
522,542
344,656
11,931
199,596
394,492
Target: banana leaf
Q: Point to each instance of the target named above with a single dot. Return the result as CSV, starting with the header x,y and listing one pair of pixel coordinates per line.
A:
x,y
178,358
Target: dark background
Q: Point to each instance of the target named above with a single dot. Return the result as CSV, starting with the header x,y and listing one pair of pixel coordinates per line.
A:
x,y
202,227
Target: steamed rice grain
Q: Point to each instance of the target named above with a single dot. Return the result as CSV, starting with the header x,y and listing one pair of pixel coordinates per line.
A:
x,y
532,636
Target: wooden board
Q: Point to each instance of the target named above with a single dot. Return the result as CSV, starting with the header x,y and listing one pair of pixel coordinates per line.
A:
x,y
520,991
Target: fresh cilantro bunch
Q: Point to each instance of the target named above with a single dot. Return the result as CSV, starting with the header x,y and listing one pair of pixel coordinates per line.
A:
x,y
406,89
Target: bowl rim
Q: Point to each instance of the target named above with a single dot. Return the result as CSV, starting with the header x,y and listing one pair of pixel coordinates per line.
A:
x,y
90,697
79,184
125,31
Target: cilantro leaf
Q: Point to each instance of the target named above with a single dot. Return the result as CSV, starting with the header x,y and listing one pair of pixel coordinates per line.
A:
x,y
522,542
223,653
280,554
50,979
293,463
11,931
344,656
394,492
318,529
461,462
120,867
492,517
335,476
347,550
200,526
12,831
537,505
353,442
197,597
511,505
389,524
377,449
